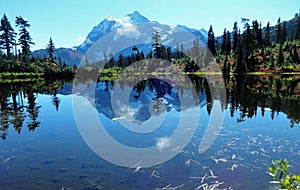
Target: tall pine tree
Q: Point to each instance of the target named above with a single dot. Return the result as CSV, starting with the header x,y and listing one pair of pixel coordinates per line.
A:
x,y
284,32
223,46
280,57
255,34
50,49
267,36
239,56
211,44
260,37
7,37
295,56
235,37
156,44
278,31
228,42
24,40
248,46
297,36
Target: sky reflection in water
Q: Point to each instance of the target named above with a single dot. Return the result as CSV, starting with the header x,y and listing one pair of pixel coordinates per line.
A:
x,y
54,155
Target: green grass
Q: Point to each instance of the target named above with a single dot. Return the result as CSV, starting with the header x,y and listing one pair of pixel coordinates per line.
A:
x,y
21,74
8,77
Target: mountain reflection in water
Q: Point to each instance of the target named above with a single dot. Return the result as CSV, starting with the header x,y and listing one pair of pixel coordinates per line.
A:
x,y
42,146
245,95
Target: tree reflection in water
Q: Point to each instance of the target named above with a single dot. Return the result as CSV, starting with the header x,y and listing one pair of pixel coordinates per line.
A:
x,y
18,104
245,95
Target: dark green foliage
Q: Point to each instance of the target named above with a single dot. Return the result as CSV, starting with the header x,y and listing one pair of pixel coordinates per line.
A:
x,y
255,34
50,49
248,46
228,43
278,31
211,44
243,51
294,54
253,48
7,37
260,37
224,38
297,36
24,37
239,56
235,37
156,44
168,54
267,36
22,65
280,57
284,32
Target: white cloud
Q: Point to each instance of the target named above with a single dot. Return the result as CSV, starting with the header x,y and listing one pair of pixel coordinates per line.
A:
x,y
130,31
162,143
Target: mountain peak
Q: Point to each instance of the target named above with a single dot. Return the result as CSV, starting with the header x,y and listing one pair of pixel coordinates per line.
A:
x,y
137,17
109,18
135,13
110,24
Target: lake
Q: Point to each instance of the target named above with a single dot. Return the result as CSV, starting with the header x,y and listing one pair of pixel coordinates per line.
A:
x,y
148,133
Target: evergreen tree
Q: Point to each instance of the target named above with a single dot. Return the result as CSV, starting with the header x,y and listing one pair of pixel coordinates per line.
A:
x,y
218,45
284,32
224,38
211,44
248,46
235,36
267,35
121,61
24,40
150,54
156,44
295,56
7,37
297,35
278,31
280,58
255,34
162,53
50,49
228,43
239,56
260,37
142,55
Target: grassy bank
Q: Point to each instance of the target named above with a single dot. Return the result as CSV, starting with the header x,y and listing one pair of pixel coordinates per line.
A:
x,y
8,77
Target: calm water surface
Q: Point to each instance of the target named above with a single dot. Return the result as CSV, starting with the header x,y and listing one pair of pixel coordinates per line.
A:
x,y
41,146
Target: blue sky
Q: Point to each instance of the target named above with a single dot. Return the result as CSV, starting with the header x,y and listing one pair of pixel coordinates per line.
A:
x,y
69,21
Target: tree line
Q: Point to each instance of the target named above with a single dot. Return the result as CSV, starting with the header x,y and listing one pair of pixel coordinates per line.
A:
x,y
247,49
17,56
241,50
254,47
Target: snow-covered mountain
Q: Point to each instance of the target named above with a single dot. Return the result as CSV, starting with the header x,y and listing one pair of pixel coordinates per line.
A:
x,y
200,33
109,24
